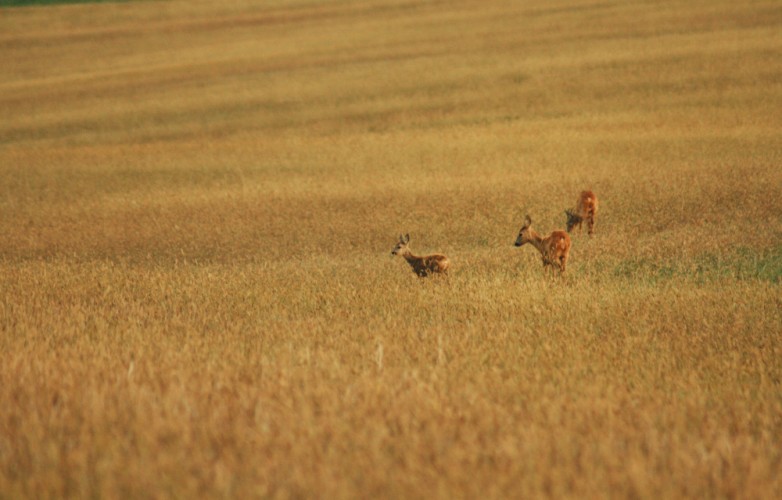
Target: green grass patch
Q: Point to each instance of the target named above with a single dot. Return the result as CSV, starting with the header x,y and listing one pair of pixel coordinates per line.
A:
x,y
33,3
741,263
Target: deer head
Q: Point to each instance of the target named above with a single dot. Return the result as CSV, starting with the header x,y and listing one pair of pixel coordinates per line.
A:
x,y
401,247
524,234
572,219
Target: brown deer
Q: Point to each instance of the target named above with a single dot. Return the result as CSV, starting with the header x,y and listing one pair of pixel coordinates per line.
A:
x,y
554,248
422,266
586,210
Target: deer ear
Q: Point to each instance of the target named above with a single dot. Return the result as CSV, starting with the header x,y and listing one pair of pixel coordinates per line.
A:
x,y
527,220
407,238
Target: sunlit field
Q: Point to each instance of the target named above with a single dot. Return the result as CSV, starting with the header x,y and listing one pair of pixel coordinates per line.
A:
x,y
198,203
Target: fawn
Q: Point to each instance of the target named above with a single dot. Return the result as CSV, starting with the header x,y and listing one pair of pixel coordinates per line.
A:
x,y
554,248
586,210
422,266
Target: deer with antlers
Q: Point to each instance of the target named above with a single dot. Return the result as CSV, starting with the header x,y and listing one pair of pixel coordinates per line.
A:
x,y
422,266
586,210
554,248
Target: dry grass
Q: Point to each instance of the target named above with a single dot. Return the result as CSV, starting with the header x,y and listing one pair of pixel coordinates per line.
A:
x,y
198,202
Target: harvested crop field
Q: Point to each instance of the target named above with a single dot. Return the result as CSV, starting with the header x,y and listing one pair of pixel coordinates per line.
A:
x,y
198,202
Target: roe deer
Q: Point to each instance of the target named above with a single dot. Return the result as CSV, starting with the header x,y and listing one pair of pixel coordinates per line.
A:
x,y
554,248
586,210
422,266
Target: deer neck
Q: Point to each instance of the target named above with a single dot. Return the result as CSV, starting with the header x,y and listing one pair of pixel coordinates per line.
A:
x,y
409,257
536,240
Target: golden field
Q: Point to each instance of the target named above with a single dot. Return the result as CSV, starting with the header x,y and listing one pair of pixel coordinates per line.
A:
x,y
198,203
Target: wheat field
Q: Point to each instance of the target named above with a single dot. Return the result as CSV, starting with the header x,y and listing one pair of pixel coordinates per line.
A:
x,y
198,201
